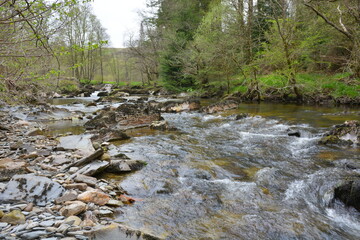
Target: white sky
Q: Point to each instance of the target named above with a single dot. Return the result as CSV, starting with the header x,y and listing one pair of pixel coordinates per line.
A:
x,y
119,17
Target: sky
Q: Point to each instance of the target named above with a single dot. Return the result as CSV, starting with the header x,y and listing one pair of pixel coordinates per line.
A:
x,y
119,17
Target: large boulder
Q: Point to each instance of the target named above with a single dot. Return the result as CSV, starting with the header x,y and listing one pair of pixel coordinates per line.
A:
x,y
349,193
219,107
109,135
344,134
31,188
123,166
125,116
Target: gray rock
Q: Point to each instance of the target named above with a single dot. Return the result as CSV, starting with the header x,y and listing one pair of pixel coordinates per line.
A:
x,y
94,168
3,225
68,196
48,223
34,235
31,188
33,225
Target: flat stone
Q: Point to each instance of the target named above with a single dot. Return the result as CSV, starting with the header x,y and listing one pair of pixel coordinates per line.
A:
x,y
94,168
31,188
68,196
48,223
80,142
91,181
32,225
94,196
114,203
79,186
34,235
3,225
60,160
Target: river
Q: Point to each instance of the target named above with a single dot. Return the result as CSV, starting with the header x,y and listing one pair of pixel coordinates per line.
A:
x,y
221,178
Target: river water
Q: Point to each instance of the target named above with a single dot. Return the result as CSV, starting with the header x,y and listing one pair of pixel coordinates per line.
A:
x,y
221,178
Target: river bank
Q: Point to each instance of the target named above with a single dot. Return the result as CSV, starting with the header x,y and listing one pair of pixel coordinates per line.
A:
x,y
93,171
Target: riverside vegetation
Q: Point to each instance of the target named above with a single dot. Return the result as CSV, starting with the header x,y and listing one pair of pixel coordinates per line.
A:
x,y
174,147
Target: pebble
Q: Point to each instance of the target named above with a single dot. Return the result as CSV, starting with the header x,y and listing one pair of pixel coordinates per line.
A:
x,y
60,218
3,225
48,223
32,225
75,233
19,228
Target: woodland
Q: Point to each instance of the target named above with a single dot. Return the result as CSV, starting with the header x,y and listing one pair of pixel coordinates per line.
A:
x,y
293,50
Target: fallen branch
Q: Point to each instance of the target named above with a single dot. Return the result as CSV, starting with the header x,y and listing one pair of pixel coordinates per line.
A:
x,y
98,153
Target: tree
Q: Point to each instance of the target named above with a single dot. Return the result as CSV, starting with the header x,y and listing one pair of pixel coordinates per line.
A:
x,y
347,14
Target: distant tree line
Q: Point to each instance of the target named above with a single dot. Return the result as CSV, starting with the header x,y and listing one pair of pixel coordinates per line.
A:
x,y
227,44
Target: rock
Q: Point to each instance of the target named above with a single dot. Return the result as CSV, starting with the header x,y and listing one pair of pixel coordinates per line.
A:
x,y
114,203
73,220
125,116
1,214
89,220
242,116
105,157
219,107
34,235
94,196
93,168
57,95
60,160
126,200
92,104
349,193
31,188
35,132
67,196
79,186
3,225
161,125
344,134
48,223
103,94
81,142
15,217
178,106
294,134
29,207
9,168
80,178
73,209
121,166
32,225
109,135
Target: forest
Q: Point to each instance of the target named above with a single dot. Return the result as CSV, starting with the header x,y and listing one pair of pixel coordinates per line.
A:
x,y
293,50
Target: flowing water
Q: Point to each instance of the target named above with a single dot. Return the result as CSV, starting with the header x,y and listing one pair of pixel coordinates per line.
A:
x,y
221,178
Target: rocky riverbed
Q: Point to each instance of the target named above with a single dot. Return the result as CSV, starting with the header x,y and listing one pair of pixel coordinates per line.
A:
x,y
50,183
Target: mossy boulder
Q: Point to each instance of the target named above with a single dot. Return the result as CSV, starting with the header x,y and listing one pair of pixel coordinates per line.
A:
x,y
344,134
14,217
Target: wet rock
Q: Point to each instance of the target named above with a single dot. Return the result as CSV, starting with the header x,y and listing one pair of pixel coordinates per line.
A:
x,y
35,132
73,220
80,178
349,193
125,116
31,188
94,196
294,134
93,168
73,209
103,94
219,107
242,116
178,106
126,200
344,134
9,168
121,166
15,217
114,203
161,125
109,135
